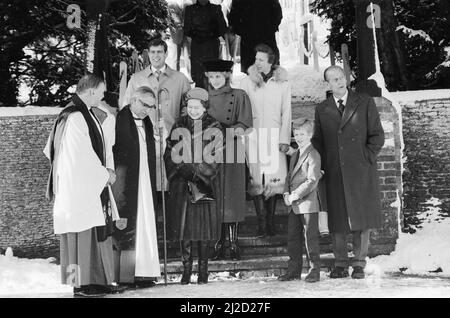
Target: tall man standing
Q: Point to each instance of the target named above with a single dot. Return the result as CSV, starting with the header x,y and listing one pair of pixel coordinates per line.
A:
x,y
79,182
134,189
204,23
158,75
348,135
255,21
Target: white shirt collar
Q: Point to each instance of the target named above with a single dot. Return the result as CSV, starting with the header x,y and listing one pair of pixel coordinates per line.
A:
x,y
302,149
162,70
344,99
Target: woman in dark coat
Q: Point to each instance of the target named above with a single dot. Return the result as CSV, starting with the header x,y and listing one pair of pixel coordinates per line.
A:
x,y
231,107
204,23
194,183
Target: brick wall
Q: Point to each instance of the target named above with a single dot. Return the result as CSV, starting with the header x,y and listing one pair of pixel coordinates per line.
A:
x,y
427,149
25,216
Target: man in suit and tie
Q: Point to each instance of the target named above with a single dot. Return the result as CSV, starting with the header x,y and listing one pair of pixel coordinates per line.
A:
x,y
348,135
300,194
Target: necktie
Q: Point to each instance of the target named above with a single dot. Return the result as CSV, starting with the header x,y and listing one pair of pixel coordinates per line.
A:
x,y
157,74
341,106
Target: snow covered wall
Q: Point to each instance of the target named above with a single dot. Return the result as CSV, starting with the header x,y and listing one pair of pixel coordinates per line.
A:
x,y
426,130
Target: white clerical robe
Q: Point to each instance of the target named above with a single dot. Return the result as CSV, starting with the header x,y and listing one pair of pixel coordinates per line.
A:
x,y
80,178
147,258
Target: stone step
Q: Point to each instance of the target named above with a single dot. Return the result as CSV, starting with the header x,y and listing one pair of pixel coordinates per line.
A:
x,y
261,264
274,245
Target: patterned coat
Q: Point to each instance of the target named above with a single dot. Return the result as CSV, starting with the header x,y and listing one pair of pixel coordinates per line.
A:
x,y
186,220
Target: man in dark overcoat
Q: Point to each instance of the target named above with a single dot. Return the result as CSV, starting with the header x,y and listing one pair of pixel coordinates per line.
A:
x,y
348,135
204,23
256,22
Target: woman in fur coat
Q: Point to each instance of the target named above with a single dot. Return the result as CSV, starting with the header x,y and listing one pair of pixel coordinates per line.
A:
x,y
270,96
194,205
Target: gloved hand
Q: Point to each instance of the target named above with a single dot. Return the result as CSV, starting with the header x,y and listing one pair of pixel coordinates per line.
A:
x,y
186,171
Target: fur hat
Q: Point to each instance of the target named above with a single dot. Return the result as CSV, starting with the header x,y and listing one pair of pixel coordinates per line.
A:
x,y
218,65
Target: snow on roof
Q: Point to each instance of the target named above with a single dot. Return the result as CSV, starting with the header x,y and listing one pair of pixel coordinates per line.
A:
x,y
28,111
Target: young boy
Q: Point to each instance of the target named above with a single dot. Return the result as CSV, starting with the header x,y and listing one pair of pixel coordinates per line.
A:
x,y
300,194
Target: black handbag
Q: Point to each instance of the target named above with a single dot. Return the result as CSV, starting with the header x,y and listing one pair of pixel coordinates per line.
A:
x,y
196,195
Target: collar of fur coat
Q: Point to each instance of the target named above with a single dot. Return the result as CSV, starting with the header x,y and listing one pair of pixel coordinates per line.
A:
x,y
279,75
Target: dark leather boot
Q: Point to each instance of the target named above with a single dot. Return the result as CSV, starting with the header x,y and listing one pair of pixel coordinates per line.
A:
x,y
260,213
270,206
203,262
186,258
219,247
234,247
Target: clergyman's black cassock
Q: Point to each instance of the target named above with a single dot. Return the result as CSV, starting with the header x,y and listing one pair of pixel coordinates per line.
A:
x,y
126,160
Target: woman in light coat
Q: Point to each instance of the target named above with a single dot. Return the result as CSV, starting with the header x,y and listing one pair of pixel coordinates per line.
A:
x,y
270,97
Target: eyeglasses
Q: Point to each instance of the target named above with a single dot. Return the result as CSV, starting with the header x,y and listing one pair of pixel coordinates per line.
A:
x,y
147,105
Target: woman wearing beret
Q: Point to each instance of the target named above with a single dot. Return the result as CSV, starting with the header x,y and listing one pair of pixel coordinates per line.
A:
x,y
194,183
231,107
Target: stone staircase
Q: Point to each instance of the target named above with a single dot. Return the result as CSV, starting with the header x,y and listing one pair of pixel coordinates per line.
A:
x,y
260,257
264,256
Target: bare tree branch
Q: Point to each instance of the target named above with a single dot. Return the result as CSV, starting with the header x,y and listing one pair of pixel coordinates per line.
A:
x,y
127,14
122,23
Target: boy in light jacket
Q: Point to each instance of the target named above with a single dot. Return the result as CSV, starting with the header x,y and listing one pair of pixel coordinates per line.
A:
x,y
301,196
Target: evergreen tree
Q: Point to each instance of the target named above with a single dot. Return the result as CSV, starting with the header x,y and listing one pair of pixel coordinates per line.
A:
x,y
421,27
39,50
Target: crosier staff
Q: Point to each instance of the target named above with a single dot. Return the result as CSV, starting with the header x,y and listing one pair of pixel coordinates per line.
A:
x,y
159,119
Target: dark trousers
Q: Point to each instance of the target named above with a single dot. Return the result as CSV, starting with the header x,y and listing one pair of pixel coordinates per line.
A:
x,y
360,248
303,228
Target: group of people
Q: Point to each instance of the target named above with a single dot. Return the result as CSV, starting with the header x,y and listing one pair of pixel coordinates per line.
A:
x,y
207,29
109,171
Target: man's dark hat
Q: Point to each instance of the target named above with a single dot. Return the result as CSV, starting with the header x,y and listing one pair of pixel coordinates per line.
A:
x,y
218,65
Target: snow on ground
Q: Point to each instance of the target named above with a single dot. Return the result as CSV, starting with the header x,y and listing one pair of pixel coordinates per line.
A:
x,y
29,276
416,255
269,287
307,84
373,286
425,251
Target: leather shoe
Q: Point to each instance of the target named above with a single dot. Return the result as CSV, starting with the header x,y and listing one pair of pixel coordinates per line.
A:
x,y
339,272
289,276
88,291
144,284
115,289
358,272
313,276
